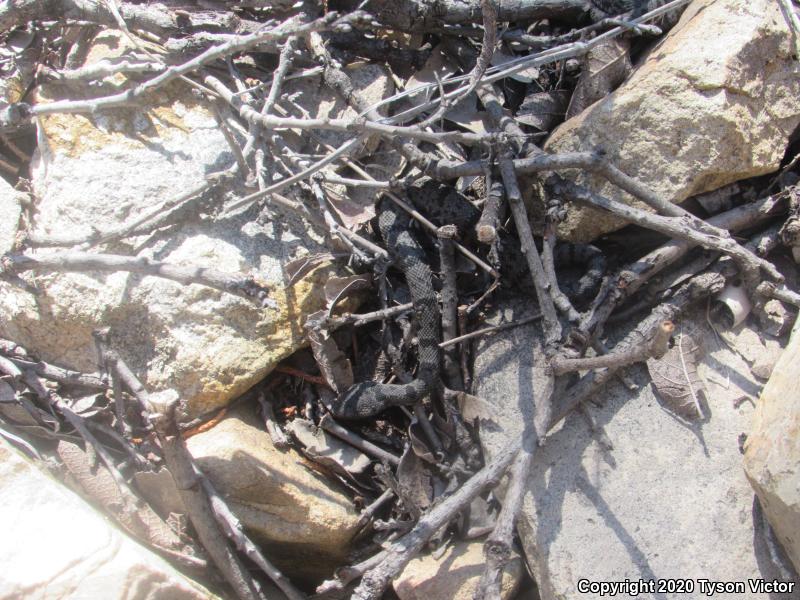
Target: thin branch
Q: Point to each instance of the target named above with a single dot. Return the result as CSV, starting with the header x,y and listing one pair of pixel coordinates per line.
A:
x,y
237,44
155,19
278,76
348,147
400,553
447,269
234,530
354,126
276,434
552,326
499,545
698,287
560,299
373,507
357,320
205,507
676,227
655,347
491,214
198,507
94,447
552,55
144,223
489,14
430,226
238,284
340,82
788,9
99,70
782,293
61,375
488,330
328,424
633,276
349,239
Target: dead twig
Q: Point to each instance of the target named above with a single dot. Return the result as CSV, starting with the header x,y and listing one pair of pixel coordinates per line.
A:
x,y
491,214
552,326
234,45
278,76
357,320
370,510
654,347
238,284
145,223
332,427
698,287
392,561
782,293
489,330
499,545
100,70
279,439
62,375
676,227
633,276
447,266
205,507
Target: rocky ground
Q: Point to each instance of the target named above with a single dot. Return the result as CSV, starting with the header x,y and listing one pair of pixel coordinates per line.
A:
x,y
558,238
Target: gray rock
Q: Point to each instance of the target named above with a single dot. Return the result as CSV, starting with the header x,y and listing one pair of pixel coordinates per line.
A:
x,y
715,102
772,457
305,522
669,501
453,576
54,545
102,171
10,212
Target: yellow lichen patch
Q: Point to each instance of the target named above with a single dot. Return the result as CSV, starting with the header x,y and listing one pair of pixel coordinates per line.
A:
x,y
12,88
280,333
132,127
158,114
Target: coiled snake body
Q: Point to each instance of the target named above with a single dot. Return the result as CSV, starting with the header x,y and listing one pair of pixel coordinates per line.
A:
x,y
369,398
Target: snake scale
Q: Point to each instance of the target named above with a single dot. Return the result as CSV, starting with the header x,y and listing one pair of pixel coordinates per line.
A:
x,y
369,398
442,205
582,265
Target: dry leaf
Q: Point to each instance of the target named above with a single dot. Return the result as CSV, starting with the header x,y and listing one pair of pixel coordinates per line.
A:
x,y
481,518
85,406
11,410
327,450
676,379
414,480
605,67
543,110
99,485
6,392
352,214
159,489
527,75
338,288
467,115
298,268
333,364
440,66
